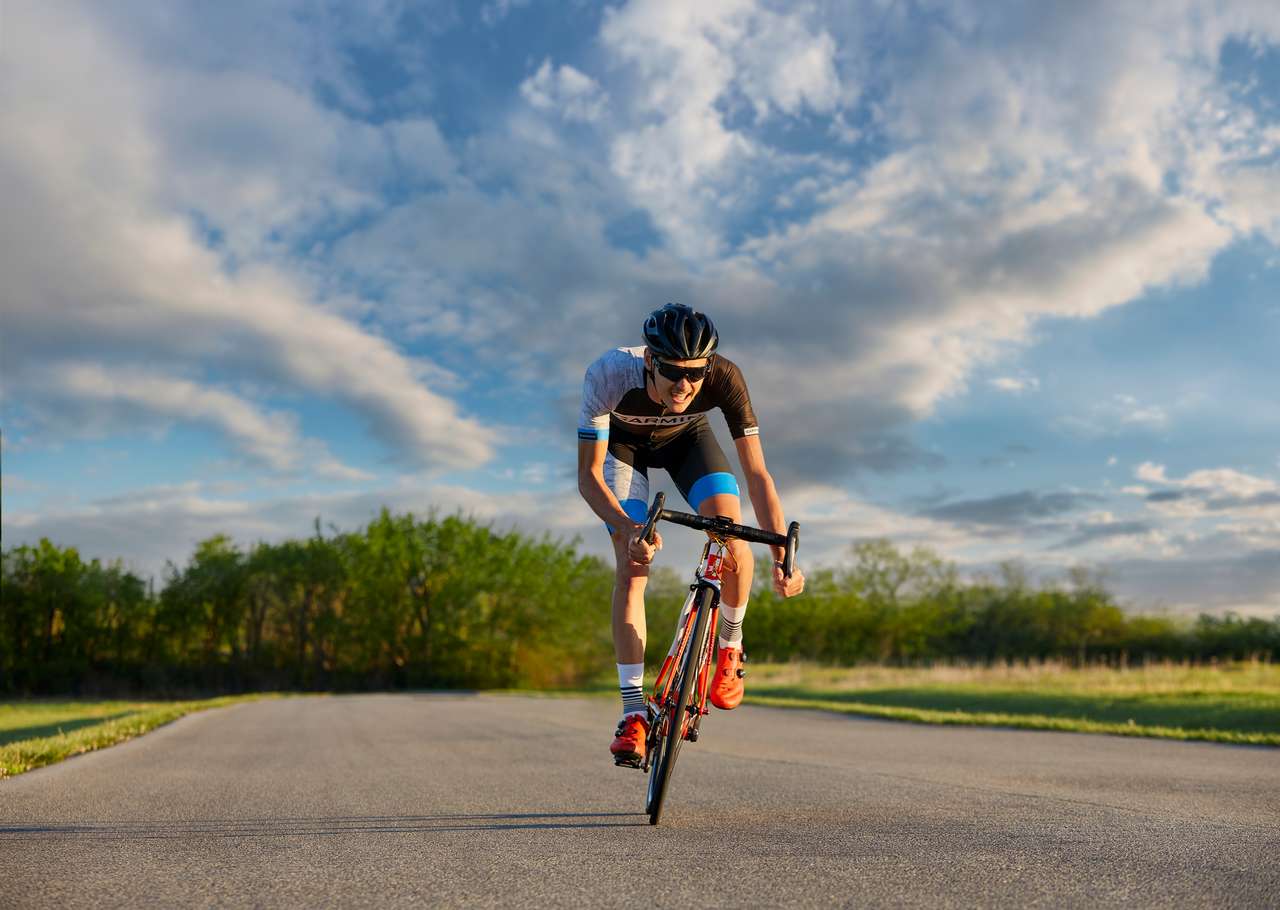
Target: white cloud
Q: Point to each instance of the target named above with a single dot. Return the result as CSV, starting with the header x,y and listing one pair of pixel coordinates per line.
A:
x,y
1228,482
422,154
494,11
12,483
333,469
1147,567
1251,200
1211,515
105,257
574,95
692,61
1114,416
80,400
784,65
1144,415
272,439
1216,482
1150,472
1243,582
1016,384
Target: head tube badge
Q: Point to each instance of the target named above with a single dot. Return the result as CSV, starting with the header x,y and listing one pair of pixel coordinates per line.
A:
x,y
713,566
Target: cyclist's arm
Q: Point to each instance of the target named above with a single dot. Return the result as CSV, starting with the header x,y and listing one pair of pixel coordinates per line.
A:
x,y
591,484
605,382
760,488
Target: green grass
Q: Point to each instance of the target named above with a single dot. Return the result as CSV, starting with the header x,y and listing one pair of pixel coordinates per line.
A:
x,y
1228,703
39,732
1235,703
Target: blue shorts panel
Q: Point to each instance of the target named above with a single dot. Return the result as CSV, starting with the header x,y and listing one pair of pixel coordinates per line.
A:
x,y
637,510
711,485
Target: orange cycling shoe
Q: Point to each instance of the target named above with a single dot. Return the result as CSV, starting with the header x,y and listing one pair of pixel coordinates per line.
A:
x,y
628,740
727,687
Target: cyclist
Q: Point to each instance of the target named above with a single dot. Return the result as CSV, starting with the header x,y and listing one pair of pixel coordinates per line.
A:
x,y
646,407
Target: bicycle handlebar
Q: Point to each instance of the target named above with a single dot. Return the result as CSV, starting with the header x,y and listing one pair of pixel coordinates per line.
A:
x,y
723,527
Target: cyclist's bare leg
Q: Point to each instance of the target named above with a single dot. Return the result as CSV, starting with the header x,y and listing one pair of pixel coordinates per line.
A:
x,y
629,582
735,584
735,588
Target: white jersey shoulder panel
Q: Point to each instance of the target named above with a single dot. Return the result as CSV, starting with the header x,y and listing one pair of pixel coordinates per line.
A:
x,y
608,379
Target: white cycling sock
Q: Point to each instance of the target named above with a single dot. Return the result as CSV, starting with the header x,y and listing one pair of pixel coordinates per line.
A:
x,y
631,685
730,634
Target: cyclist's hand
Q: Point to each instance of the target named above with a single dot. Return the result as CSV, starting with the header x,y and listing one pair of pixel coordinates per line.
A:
x,y
639,550
787,587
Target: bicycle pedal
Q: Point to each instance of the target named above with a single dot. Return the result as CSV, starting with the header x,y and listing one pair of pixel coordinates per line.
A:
x,y
627,763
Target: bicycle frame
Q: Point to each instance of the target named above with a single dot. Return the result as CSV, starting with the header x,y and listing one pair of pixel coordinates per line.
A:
x,y
706,578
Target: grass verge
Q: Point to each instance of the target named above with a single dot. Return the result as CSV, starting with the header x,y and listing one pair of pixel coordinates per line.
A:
x,y
1019,721
41,732
1229,703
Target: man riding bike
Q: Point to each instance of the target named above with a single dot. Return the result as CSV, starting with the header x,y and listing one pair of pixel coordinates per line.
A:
x,y
647,407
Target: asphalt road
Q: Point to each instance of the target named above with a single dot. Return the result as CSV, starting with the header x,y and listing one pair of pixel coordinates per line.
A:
x,y
464,800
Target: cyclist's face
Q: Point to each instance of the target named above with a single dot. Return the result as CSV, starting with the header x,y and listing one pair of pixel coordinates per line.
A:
x,y
675,394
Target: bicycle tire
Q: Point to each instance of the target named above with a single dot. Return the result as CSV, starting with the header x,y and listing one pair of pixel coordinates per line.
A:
x,y
669,747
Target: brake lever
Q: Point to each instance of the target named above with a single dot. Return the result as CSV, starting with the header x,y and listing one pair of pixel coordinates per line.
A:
x,y
793,544
654,512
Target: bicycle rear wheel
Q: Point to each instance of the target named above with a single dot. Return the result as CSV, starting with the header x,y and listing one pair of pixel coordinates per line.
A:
x,y
668,747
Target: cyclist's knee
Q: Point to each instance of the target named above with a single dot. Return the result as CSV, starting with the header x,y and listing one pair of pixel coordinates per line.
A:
x,y
726,504
741,559
741,551
632,574
625,566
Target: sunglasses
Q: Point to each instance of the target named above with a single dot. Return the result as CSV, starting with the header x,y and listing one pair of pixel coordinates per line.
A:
x,y
675,373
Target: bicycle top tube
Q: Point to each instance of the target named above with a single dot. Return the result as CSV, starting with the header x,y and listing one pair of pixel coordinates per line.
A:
x,y
723,528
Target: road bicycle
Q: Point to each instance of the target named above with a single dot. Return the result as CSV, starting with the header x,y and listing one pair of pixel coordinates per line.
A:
x,y
679,699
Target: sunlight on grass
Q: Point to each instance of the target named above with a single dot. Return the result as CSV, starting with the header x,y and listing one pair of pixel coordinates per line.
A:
x,y
1238,702
1024,721
1047,676
39,732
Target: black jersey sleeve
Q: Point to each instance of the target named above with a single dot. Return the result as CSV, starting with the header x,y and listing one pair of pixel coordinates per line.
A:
x,y
730,391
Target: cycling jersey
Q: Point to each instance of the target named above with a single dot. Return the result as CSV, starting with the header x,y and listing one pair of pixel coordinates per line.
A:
x,y
641,432
614,400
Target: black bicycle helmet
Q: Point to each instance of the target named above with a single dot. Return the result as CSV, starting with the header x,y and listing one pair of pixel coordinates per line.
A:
x,y
678,332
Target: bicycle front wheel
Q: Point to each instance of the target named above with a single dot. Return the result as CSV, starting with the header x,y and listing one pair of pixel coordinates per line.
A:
x,y
668,746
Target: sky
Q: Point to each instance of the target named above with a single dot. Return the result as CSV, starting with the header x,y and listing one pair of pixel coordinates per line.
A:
x,y
1003,278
